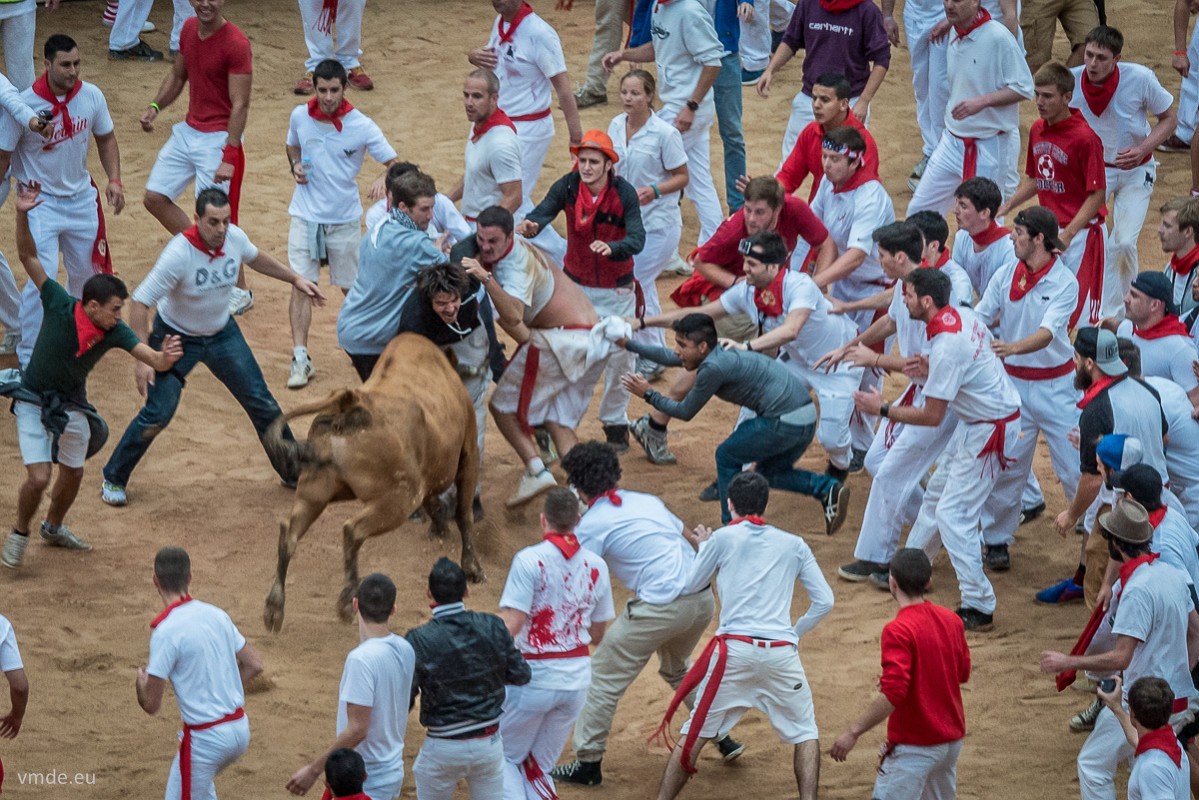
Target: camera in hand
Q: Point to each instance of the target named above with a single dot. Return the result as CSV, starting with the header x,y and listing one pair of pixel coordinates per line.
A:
x,y
1107,685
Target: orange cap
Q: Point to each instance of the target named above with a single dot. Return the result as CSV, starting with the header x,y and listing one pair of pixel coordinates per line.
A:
x,y
597,140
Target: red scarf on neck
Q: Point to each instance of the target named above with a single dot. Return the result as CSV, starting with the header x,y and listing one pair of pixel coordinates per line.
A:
x,y
1095,388
1024,279
315,111
982,17
770,299
1183,266
1156,517
1163,739
752,518
490,266
588,205
166,612
89,334
942,261
41,87
839,6
192,234
1168,325
506,35
1099,95
612,496
1129,567
991,235
566,542
944,321
496,119
861,177
328,16
328,795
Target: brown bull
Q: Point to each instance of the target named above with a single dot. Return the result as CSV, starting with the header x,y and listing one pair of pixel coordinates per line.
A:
x,y
396,444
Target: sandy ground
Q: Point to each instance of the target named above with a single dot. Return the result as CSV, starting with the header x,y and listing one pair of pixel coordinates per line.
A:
x,y
82,619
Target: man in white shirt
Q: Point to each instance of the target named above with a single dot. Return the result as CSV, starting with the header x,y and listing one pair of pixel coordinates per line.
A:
x,y
373,697
1161,769
1179,236
70,219
755,566
327,141
190,284
198,649
988,78
981,245
556,602
493,152
1167,349
18,685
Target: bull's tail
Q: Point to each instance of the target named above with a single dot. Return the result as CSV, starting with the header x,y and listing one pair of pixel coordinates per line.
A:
x,y
295,454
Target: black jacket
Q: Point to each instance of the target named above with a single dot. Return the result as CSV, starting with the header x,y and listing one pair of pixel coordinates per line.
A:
x,y
464,659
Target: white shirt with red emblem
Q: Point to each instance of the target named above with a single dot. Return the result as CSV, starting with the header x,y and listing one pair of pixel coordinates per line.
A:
x,y
911,334
1065,160
526,64
964,371
1168,356
823,331
59,163
1048,304
195,648
1124,123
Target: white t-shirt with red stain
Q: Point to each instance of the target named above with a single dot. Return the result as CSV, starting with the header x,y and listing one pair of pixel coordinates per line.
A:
x,y
562,599
964,371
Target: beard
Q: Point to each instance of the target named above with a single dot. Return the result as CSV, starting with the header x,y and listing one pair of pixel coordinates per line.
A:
x,y
1082,379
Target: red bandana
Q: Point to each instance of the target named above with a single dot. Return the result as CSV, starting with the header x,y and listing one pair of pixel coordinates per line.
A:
x,y
944,321
991,235
1163,739
612,496
192,234
1129,567
587,205
839,6
89,334
314,111
1183,266
506,35
755,520
1156,517
1168,325
166,612
1024,279
41,87
942,261
1099,95
1095,388
566,542
496,119
328,16
982,17
770,300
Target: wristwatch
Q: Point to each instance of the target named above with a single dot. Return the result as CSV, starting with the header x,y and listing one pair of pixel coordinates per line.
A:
x,y
694,106
884,409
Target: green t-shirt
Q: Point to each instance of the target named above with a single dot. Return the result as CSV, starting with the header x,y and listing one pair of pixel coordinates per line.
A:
x,y
53,367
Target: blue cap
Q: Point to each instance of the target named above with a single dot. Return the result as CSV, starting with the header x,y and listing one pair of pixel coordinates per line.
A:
x,y
1119,451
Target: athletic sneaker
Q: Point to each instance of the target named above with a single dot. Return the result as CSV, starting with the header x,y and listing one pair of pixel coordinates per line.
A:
x,y
749,77
730,748
858,460
301,372
530,486
580,773
304,85
9,342
860,571
1065,592
836,504
112,494
1031,513
62,536
997,558
545,445
710,493
10,375
1174,145
881,580
240,301
585,99
650,370
976,620
147,26
618,437
654,442
139,52
678,266
1084,720
14,550
917,173
360,80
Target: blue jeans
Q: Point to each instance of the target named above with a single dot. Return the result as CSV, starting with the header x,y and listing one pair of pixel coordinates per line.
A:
x,y
775,446
727,94
228,357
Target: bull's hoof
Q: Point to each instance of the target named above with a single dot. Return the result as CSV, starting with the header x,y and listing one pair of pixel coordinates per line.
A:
x,y
438,531
272,614
474,571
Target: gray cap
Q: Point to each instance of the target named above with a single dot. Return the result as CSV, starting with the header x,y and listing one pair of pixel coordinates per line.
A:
x,y
1100,345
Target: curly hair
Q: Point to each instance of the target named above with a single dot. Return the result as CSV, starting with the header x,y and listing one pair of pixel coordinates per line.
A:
x,y
592,467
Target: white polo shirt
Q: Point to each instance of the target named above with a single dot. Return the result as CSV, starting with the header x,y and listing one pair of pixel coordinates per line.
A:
x,y
685,42
492,160
330,196
642,543
823,331
981,265
985,60
59,163
1153,607
378,675
851,218
1182,452
1124,123
525,275
1169,356
195,648
1049,305
647,159
192,288
10,655
526,65
963,370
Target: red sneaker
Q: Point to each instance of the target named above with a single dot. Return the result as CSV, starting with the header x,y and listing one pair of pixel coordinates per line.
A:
x,y
360,80
304,85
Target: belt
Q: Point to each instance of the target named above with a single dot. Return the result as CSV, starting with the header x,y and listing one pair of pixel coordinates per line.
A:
x,y
1039,373
469,218
476,733
185,749
581,651
767,643
536,115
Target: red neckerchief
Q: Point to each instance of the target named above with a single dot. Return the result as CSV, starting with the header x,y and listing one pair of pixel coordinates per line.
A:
x,y
1099,95
41,87
944,321
942,261
496,119
490,267
1129,567
770,299
612,496
166,612
314,111
89,334
192,234
1183,266
522,12
1169,325
1024,279
983,16
328,16
839,6
566,542
861,177
1163,739
1095,388
756,520
587,205
1156,517
991,235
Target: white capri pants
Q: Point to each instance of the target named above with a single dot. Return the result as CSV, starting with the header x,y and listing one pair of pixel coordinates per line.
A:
x,y
441,763
614,402
697,142
1188,96
911,772
555,397
213,749
661,246
1130,191
536,136
996,160
343,42
535,724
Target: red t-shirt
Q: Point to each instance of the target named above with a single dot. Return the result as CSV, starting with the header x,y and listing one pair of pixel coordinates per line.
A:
x,y
209,63
805,157
795,220
1066,161
925,661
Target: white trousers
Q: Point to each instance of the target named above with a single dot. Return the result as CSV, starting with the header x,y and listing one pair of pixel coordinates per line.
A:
x,y
895,493
801,115
1103,751
132,14
16,34
213,750
930,79
661,246
343,42
441,763
1188,96
614,402
834,392
535,724
697,142
1130,191
996,160
754,45
65,225
862,427
536,136
911,772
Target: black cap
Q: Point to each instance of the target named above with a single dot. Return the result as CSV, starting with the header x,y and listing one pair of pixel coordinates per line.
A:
x,y
1040,220
1157,286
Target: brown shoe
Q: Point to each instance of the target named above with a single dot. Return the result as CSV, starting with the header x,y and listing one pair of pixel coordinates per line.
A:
x,y
360,80
304,85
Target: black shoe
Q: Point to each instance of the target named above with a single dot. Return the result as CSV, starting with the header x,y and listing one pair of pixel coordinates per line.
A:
x,y
730,748
836,504
860,571
618,437
997,558
881,580
139,52
836,473
582,773
858,461
975,620
1029,514
710,493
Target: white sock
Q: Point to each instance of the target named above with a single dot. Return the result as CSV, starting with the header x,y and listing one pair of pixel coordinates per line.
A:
x,y
536,466
299,353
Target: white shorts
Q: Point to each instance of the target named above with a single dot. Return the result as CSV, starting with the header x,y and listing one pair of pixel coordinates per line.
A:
x,y
555,397
770,679
188,155
35,440
341,250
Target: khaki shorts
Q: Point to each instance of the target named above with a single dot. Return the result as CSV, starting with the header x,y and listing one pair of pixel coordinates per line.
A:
x,y
1039,18
341,249
35,441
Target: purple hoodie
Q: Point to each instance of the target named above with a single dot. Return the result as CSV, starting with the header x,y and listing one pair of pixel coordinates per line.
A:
x,y
847,42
